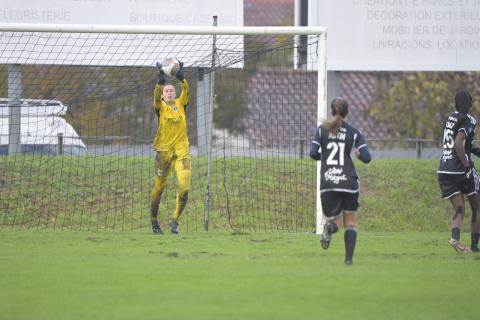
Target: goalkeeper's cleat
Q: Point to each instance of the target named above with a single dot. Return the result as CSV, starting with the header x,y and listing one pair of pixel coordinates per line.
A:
x,y
156,227
348,262
474,250
326,236
460,248
174,226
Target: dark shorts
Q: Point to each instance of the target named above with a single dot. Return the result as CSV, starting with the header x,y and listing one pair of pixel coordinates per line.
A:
x,y
451,184
334,202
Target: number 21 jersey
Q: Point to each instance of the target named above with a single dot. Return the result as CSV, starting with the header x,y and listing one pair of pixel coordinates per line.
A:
x,y
337,170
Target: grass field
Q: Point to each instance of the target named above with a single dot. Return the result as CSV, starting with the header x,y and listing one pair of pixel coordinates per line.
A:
x,y
403,267
272,194
86,275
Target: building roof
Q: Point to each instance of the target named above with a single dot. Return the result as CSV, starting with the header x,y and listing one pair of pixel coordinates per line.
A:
x,y
282,107
358,89
268,12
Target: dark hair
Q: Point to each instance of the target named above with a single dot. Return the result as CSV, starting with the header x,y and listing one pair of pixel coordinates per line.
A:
x,y
463,101
339,111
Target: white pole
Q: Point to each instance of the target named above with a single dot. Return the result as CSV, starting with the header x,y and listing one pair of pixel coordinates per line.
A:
x,y
210,107
14,103
297,38
321,116
85,28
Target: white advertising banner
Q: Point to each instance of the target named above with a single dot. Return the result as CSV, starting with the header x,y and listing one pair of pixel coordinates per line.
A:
x,y
123,12
117,49
405,35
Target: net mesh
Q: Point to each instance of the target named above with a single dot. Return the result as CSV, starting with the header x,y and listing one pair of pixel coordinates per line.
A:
x,y
87,126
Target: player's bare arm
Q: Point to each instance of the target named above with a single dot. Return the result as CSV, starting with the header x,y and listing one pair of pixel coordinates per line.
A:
x,y
460,149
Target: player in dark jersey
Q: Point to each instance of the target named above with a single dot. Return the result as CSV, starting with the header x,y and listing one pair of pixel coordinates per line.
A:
x,y
339,185
456,173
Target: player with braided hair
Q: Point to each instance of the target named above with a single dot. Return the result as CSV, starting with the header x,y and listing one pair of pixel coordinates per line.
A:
x,y
456,173
171,145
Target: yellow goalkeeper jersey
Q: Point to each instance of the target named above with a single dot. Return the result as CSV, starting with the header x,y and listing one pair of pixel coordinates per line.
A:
x,y
172,121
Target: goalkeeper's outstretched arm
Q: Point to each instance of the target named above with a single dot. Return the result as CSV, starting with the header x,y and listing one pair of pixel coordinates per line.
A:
x,y
157,93
185,95
157,99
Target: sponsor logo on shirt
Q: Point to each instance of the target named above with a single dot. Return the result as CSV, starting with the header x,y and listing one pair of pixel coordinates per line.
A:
x,y
174,120
447,154
335,175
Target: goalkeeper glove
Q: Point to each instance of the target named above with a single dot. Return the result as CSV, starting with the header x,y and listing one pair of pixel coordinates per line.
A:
x,y
179,74
160,74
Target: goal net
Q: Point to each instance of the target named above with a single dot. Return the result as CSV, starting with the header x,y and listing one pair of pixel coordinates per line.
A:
x,y
77,126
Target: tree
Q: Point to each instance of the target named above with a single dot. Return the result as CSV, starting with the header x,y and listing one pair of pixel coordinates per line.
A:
x,y
416,105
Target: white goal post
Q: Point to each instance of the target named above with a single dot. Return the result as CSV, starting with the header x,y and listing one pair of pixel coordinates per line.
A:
x,y
320,64
135,29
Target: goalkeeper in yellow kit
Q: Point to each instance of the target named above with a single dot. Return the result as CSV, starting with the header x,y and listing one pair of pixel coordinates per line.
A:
x,y
170,145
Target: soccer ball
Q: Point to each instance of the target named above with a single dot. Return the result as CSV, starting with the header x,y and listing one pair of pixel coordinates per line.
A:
x,y
170,66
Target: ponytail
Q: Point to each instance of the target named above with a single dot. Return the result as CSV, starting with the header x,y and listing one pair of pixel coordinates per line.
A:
x,y
333,124
339,111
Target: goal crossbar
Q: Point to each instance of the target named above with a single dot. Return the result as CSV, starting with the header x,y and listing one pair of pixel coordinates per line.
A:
x,y
200,30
